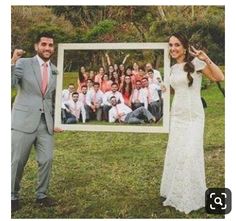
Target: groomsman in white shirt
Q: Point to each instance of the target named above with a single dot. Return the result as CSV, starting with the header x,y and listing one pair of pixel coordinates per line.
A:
x,y
156,73
94,101
138,97
82,98
66,95
73,109
107,99
123,114
153,80
153,98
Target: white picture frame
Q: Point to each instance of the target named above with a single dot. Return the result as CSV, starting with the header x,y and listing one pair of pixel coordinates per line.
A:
x,y
113,128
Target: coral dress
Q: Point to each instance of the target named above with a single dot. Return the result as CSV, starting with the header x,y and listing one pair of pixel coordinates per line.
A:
x,y
183,181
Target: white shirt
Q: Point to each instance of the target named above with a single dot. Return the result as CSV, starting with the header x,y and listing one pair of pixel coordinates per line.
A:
x,y
151,92
65,96
76,108
107,96
118,109
90,89
94,97
41,63
139,96
153,81
82,97
157,74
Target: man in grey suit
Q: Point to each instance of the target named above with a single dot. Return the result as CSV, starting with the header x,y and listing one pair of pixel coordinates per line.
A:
x,y
32,117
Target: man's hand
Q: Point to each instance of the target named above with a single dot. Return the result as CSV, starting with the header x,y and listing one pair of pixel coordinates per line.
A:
x,y
18,53
163,88
58,130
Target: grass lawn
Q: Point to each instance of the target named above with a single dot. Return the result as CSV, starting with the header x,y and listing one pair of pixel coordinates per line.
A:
x,y
117,175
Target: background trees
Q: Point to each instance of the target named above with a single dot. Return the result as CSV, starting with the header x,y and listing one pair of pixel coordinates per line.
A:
x,y
203,25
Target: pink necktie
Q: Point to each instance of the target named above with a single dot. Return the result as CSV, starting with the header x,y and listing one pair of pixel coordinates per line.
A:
x,y
138,96
44,78
84,98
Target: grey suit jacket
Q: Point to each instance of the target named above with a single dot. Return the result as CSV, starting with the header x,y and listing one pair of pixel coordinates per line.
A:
x,y
29,102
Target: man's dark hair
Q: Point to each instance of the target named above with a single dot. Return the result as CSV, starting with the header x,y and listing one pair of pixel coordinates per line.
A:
x,y
114,83
75,93
150,70
89,79
145,78
96,83
45,35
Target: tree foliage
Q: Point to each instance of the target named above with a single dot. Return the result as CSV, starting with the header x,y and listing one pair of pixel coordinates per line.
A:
x,y
203,25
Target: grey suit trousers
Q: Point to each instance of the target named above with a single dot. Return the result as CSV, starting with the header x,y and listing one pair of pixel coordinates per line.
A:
x,y
21,146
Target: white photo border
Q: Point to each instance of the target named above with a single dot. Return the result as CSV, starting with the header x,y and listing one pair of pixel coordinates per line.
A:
x,y
113,128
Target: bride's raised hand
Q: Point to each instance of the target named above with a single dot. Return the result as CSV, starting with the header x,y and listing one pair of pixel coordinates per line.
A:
x,y
198,53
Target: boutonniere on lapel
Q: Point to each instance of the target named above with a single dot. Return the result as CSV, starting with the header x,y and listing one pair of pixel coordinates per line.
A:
x,y
54,72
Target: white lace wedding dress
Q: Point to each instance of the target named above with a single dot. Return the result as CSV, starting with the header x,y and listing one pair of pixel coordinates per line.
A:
x,y
183,181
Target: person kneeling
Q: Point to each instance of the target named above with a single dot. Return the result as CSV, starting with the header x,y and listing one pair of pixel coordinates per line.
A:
x,y
74,108
123,114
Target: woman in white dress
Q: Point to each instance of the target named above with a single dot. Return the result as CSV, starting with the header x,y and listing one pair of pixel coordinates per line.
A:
x,y
183,182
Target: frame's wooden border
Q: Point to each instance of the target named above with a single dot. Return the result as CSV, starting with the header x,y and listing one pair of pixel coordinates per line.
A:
x,y
113,128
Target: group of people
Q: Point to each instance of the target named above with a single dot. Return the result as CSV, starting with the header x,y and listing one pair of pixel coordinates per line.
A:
x,y
183,183
134,88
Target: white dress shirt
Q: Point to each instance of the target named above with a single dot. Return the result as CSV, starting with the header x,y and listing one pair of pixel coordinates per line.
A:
x,y
139,96
82,97
157,74
118,109
66,95
107,96
151,92
94,97
153,81
76,108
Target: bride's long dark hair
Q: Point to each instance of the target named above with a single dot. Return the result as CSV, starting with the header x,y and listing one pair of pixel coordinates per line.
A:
x,y
188,67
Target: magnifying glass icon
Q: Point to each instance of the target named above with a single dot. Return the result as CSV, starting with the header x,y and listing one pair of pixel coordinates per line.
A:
x,y
218,201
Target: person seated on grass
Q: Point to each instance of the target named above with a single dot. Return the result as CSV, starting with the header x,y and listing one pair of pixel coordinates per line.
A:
x,y
74,109
121,113
138,98
94,102
107,99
